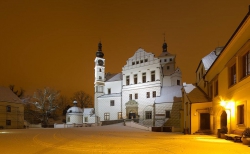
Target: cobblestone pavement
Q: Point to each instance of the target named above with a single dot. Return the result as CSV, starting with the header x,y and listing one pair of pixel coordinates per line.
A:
x,y
111,139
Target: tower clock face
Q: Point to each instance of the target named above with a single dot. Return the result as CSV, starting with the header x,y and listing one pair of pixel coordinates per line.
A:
x,y
100,62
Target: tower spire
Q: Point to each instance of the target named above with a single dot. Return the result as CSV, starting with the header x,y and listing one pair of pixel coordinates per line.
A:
x,y
99,53
164,46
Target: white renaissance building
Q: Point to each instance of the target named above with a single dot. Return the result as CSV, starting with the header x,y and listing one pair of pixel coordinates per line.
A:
x,y
147,90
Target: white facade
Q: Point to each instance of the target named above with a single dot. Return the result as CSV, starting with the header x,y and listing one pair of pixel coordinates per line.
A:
x,y
132,93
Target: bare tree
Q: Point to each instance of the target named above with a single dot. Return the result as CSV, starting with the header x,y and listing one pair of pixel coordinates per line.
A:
x,y
18,93
45,102
63,103
84,99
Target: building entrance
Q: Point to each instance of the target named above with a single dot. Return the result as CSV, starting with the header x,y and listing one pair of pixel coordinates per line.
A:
x,y
204,121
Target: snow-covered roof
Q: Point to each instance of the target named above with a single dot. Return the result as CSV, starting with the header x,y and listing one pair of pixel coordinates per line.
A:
x,y
208,60
169,94
88,111
195,94
114,77
111,95
6,95
74,109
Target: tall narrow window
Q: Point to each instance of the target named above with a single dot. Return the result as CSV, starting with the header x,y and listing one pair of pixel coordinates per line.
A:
x,y
112,103
135,79
86,119
148,114
154,93
232,75
167,114
148,94
246,65
168,67
178,82
109,90
143,77
106,116
153,76
170,59
100,70
130,97
240,114
8,108
136,95
127,80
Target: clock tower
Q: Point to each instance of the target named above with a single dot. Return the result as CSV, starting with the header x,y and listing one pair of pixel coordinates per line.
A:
x,y
99,75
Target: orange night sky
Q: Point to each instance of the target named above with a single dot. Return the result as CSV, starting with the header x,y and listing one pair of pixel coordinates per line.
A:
x,y
53,42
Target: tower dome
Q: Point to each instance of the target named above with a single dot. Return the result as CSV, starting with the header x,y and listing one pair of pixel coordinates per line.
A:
x,y
99,53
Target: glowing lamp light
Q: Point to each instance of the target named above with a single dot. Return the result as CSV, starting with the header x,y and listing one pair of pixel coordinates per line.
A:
x,y
223,103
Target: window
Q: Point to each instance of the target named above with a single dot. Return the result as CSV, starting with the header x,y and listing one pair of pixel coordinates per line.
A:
x,y
86,119
106,116
133,63
141,61
130,97
100,70
137,62
216,87
100,77
168,67
148,114
178,82
8,122
165,60
153,76
154,93
167,114
148,94
170,59
136,96
8,108
112,103
240,114
135,79
99,88
68,119
146,60
109,90
143,77
211,91
232,75
119,115
127,80
246,65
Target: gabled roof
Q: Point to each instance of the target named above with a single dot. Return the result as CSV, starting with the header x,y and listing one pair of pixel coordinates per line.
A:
x,y
6,95
169,94
208,60
165,54
195,94
113,77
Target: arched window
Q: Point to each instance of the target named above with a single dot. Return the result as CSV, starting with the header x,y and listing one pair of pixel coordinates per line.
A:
x,y
100,70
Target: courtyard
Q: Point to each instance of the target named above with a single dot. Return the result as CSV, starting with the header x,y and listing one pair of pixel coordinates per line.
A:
x,y
111,139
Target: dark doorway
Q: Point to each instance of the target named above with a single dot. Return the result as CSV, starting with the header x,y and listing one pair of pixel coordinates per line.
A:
x,y
204,121
132,116
223,119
